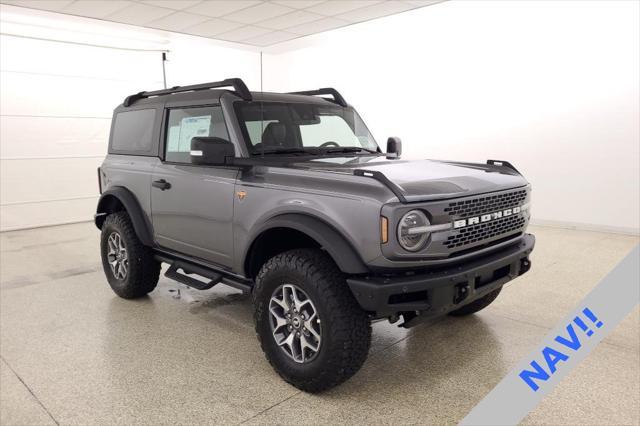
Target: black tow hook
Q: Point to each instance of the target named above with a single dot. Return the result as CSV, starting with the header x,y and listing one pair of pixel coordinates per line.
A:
x,y
461,292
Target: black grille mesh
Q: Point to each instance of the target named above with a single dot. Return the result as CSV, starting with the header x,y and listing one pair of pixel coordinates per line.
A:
x,y
482,231
488,204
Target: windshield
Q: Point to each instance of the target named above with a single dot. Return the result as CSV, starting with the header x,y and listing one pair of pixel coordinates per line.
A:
x,y
277,127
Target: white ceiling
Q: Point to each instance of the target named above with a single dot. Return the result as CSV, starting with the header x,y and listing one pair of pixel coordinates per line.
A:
x,y
252,22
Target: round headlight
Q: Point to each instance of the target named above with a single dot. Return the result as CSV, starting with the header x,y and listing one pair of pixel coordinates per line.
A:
x,y
410,236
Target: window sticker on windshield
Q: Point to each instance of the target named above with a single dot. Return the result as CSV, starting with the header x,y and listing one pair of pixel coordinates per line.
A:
x,y
191,127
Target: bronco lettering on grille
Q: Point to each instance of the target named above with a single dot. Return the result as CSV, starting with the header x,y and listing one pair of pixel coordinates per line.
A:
x,y
485,217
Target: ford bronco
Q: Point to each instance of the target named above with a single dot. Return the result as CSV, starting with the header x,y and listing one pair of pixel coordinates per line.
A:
x,y
288,197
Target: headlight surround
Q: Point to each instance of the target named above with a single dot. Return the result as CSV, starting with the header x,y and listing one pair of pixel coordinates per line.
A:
x,y
413,241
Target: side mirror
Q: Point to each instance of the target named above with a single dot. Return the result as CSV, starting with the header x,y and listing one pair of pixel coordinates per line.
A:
x,y
211,151
394,147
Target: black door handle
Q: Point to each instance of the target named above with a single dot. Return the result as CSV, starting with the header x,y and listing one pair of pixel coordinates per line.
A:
x,y
162,184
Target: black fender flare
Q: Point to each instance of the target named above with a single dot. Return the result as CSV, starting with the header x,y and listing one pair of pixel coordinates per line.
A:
x,y
338,247
139,219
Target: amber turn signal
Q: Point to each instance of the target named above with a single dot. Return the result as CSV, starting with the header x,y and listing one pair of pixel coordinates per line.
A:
x,y
384,229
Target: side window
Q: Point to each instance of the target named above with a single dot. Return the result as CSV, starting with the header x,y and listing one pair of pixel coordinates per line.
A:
x,y
133,131
187,123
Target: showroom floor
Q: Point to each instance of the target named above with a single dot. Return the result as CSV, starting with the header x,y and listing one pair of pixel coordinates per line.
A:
x,y
74,353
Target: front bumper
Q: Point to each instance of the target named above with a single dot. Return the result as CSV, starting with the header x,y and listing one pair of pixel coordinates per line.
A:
x,y
440,291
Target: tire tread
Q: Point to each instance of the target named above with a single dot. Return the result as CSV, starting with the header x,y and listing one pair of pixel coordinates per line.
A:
x,y
144,270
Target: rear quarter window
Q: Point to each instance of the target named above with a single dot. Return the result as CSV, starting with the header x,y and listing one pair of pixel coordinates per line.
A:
x,y
133,131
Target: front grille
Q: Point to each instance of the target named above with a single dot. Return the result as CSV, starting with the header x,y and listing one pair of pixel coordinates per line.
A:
x,y
487,204
483,231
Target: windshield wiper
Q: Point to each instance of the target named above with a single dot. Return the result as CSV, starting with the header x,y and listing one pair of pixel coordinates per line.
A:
x,y
351,149
284,151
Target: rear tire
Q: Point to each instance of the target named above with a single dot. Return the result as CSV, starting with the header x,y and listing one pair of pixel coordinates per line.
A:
x,y
130,268
477,305
342,336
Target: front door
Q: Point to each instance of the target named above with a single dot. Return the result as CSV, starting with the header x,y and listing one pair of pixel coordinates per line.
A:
x,y
192,206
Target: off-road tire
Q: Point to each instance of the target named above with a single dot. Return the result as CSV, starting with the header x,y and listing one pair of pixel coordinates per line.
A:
x,y
143,270
477,305
345,327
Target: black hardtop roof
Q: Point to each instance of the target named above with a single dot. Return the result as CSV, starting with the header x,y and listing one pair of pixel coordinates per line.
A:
x,y
214,90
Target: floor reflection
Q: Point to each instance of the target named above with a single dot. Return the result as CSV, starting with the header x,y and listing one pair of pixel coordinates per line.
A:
x,y
402,359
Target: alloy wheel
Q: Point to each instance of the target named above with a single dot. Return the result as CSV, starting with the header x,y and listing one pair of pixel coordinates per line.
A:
x,y
295,323
117,256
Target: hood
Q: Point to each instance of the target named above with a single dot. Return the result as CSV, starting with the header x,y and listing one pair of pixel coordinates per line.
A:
x,y
424,180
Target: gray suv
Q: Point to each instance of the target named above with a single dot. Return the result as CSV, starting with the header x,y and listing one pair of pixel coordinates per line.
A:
x,y
288,197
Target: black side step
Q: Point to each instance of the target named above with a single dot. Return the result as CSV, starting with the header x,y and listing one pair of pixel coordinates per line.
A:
x,y
192,282
215,276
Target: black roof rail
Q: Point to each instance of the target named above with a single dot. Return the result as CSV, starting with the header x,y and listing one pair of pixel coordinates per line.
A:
x,y
238,85
337,97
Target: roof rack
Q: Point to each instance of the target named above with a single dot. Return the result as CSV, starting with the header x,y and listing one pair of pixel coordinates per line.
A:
x,y
237,84
337,97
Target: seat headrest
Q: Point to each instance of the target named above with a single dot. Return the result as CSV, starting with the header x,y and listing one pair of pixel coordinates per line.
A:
x,y
275,134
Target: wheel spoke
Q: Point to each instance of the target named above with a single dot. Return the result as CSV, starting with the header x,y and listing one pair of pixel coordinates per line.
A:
x,y
297,303
288,342
280,321
305,343
310,326
284,304
288,295
112,245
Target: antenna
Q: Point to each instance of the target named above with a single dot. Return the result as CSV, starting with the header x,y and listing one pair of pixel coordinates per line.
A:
x,y
164,74
261,108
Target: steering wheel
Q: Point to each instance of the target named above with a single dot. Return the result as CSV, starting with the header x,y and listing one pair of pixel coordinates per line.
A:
x,y
328,144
